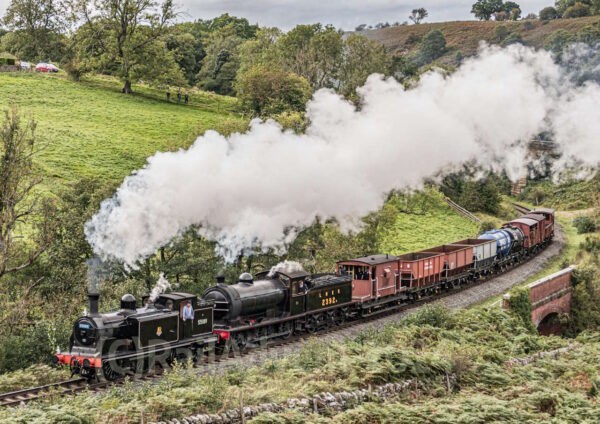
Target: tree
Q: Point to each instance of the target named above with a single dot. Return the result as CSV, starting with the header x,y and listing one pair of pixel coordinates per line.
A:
x,y
37,25
548,13
417,15
19,205
267,90
221,63
129,37
509,6
361,57
187,49
432,46
485,9
515,14
360,27
578,10
313,52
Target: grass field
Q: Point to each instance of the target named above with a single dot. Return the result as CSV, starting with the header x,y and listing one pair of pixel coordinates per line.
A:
x,y
90,129
465,36
436,223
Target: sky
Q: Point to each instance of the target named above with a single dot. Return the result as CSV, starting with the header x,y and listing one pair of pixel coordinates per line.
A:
x,y
345,14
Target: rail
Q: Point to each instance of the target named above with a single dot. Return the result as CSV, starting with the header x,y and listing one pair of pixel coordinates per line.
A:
x,y
462,211
521,208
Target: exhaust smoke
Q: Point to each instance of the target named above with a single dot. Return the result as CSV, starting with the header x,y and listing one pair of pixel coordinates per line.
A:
x,y
254,189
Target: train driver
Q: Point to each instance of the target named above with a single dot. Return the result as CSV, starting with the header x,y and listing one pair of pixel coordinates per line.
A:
x,y
301,287
187,311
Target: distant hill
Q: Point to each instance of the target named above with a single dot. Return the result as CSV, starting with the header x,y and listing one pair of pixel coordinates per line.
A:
x,y
465,36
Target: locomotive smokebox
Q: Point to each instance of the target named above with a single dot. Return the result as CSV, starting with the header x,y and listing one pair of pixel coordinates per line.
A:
x,y
93,299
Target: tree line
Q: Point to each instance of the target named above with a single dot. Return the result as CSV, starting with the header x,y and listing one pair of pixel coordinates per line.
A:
x,y
137,41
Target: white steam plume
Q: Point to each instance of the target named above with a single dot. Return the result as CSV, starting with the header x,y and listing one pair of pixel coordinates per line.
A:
x,y
247,189
285,267
161,286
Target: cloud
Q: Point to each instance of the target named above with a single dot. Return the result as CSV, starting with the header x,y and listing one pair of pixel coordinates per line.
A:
x,y
344,14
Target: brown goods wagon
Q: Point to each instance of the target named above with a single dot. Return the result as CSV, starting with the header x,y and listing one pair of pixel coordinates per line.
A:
x,y
529,227
420,269
457,258
541,220
548,222
372,276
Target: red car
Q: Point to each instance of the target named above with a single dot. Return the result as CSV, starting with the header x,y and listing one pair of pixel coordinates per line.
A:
x,y
45,67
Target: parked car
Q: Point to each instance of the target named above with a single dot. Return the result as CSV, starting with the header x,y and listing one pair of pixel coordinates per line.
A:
x,y
45,67
25,66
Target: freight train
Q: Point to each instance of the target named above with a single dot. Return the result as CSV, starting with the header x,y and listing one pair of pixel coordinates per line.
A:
x,y
287,300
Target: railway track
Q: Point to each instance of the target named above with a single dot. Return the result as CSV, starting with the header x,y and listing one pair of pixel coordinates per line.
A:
x,y
68,387
222,363
520,208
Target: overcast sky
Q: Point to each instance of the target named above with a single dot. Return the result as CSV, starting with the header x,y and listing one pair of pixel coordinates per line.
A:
x,y
345,14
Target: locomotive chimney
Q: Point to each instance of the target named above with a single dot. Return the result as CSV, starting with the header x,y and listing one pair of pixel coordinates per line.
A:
x,y
220,280
93,298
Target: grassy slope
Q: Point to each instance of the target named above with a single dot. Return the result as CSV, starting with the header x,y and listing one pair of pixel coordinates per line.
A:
x,y
439,224
466,35
92,130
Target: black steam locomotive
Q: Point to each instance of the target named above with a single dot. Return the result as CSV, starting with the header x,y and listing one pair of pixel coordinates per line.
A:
x,y
132,339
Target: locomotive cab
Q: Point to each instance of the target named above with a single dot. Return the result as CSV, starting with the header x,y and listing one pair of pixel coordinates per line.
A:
x,y
195,315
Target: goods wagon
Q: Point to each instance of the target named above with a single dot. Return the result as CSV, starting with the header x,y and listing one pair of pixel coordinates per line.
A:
x,y
484,252
456,259
548,222
420,269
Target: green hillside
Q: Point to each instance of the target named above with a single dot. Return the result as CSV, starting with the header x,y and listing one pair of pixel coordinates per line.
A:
x,y
465,36
432,223
90,129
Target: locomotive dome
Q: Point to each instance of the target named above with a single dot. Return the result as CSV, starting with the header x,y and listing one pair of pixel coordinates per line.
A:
x,y
128,302
246,277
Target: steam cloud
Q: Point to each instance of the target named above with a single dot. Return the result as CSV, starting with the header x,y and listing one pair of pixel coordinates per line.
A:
x,y
249,189
161,286
286,267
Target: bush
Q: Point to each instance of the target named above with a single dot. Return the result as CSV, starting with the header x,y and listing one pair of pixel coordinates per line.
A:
x,y
578,10
584,224
558,40
528,25
432,46
548,13
35,344
520,304
589,35
486,226
501,32
513,38
266,90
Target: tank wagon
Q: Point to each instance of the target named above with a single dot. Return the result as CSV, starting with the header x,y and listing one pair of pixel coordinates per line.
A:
x,y
280,303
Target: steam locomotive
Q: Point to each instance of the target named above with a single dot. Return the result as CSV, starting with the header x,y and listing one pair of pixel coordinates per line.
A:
x,y
287,300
